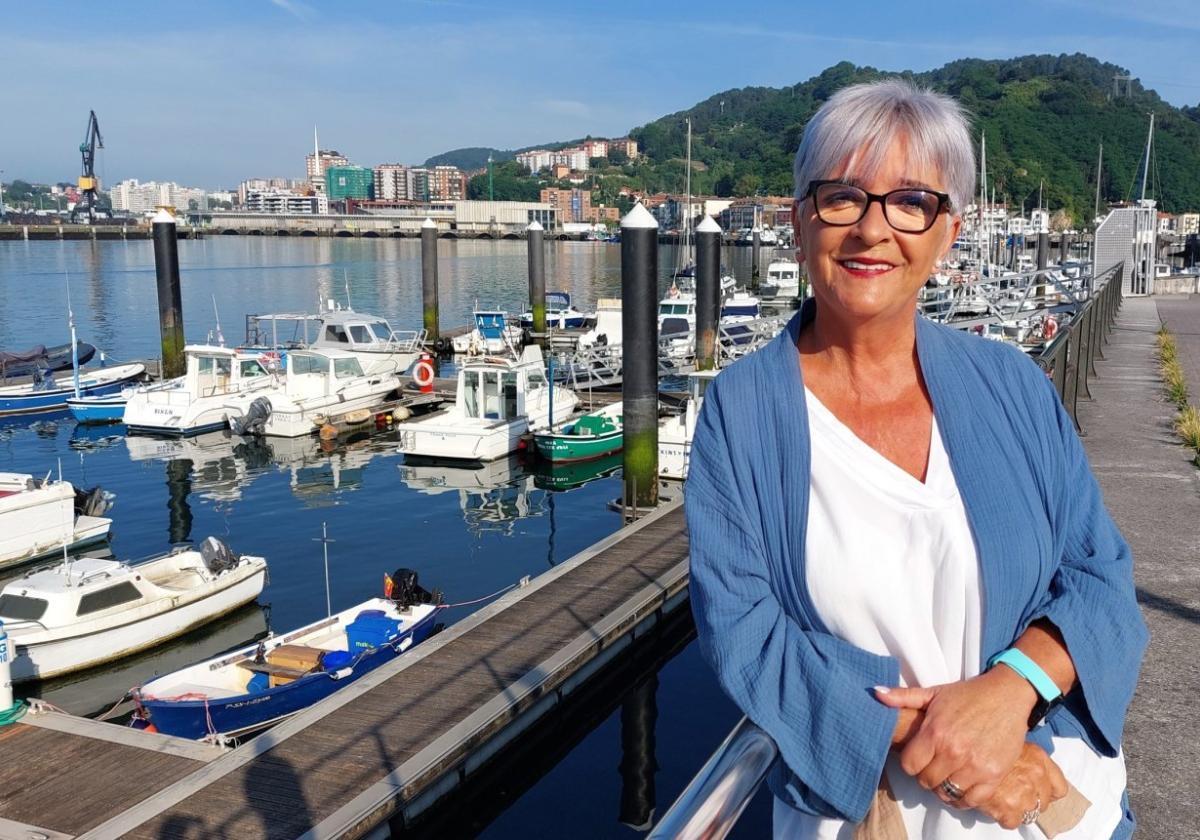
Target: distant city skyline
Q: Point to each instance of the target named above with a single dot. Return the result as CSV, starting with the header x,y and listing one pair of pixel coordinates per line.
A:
x,y
214,94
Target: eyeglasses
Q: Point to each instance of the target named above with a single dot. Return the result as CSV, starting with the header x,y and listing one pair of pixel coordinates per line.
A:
x,y
907,209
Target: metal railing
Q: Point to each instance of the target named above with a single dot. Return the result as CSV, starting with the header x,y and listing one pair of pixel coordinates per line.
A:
x,y
1069,359
711,804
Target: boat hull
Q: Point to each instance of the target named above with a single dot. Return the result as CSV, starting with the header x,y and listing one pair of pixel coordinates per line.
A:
x,y
97,410
246,713
44,660
25,400
563,449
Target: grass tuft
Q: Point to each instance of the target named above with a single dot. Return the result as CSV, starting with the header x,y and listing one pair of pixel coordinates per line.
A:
x,y
1187,422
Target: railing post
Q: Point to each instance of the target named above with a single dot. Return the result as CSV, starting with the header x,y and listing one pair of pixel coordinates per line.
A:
x,y
1071,379
1086,369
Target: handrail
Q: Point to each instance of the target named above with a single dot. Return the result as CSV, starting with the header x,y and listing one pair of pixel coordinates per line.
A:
x,y
710,806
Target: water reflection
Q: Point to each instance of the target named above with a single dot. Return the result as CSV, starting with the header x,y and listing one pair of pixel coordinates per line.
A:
x,y
492,496
552,476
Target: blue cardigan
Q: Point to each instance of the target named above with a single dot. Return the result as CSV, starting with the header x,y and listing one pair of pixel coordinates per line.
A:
x,y
1047,549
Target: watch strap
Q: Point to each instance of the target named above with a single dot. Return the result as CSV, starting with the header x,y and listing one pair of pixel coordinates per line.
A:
x,y
1030,670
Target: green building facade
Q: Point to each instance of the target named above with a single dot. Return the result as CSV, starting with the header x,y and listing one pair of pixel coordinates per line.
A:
x,y
342,182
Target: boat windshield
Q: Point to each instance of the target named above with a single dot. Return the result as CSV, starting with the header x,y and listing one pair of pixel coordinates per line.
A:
x,y
359,334
470,393
299,363
382,330
21,608
346,368
250,368
508,381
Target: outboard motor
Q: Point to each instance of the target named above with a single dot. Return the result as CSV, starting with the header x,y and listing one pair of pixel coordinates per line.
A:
x,y
217,555
94,502
406,592
254,420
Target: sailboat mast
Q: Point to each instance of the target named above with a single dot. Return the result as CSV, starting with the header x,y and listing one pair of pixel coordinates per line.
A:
x,y
687,229
1146,163
1099,169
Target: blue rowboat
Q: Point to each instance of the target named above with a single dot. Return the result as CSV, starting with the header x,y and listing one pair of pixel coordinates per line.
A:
x,y
52,394
98,410
262,684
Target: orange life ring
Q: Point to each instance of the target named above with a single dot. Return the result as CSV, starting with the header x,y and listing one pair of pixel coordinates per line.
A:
x,y
423,373
1050,328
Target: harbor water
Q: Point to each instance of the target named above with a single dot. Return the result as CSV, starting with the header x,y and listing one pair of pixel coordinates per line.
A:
x,y
468,532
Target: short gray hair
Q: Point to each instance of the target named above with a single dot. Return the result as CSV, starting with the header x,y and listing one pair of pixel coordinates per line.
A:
x,y
858,124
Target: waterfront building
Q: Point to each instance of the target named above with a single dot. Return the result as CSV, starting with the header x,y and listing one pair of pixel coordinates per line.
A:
x,y
133,196
392,182
318,163
536,160
595,148
281,201
572,205
447,183
1188,224
602,214
342,182
504,216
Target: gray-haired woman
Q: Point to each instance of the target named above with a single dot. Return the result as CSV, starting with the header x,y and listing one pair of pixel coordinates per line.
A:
x,y
902,568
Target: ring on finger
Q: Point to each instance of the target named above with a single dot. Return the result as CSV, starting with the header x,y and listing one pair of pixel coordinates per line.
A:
x,y
951,790
1030,817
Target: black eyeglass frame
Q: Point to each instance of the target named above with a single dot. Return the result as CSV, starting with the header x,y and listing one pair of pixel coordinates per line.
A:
x,y
813,186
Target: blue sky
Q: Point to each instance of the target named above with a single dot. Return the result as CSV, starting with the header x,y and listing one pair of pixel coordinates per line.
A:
x,y
208,93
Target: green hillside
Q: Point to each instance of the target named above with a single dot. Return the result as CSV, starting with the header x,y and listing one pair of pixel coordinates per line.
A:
x,y
1044,117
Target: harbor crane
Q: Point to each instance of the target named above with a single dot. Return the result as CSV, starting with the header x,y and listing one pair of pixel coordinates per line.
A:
x,y
89,184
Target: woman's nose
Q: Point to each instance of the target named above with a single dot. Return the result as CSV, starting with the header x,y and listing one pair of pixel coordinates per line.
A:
x,y
873,226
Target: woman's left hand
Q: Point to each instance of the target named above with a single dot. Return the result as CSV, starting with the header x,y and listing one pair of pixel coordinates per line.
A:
x,y
973,732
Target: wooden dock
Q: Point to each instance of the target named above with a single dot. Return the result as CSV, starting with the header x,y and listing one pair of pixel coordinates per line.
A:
x,y
386,747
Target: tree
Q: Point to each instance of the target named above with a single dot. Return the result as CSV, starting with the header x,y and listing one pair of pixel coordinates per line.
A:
x,y
617,157
747,185
510,182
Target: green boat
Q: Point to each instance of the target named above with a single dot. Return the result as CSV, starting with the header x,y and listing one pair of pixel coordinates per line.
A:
x,y
593,435
572,474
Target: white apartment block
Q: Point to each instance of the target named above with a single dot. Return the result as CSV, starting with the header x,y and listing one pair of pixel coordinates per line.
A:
x,y
393,182
131,196
1188,224
279,201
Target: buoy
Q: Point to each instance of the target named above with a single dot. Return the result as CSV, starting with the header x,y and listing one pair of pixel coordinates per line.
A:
x,y
401,413
1050,328
328,432
423,374
361,415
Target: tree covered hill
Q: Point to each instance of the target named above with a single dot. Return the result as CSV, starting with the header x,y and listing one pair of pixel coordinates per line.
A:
x,y
1044,117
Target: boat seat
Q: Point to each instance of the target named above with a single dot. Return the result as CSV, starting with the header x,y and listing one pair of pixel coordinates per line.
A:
x,y
195,691
180,581
272,670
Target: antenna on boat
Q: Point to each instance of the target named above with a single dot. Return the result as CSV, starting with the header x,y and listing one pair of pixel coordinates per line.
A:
x,y
74,344
217,315
346,281
66,533
325,541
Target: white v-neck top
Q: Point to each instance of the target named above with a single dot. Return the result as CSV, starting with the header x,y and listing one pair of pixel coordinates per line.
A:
x,y
892,568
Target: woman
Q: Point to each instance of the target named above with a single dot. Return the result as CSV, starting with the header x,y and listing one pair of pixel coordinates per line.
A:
x,y
902,568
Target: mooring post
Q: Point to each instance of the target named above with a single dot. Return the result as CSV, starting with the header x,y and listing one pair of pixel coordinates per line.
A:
x,y
639,355
537,279
429,278
708,292
1043,257
756,243
1064,248
170,301
639,763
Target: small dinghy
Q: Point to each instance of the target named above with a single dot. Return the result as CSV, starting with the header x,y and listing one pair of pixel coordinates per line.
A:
x,y
39,517
45,393
89,611
262,684
51,359
593,435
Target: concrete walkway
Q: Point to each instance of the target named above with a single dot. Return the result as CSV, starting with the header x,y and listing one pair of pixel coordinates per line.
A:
x,y
1152,489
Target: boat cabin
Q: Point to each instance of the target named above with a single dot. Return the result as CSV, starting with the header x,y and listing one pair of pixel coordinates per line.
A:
x,y
783,273
212,371
496,389
320,373
87,588
334,328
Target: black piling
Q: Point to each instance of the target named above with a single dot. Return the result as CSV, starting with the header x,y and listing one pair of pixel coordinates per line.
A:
x,y
755,245
429,279
1043,257
639,355
708,292
537,279
170,300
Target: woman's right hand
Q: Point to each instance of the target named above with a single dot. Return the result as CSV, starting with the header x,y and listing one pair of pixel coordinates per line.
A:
x,y
1034,782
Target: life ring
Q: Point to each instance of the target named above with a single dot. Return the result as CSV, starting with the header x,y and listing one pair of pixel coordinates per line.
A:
x,y
423,373
1050,328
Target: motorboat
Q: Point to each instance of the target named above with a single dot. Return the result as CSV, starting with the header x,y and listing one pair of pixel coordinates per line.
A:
x,y
378,347
98,410
491,334
14,365
39,517
675,432
264,683
196,402
783,280
44,392
607,328
88,611
740,306
588,437
560,314
319,387
497,400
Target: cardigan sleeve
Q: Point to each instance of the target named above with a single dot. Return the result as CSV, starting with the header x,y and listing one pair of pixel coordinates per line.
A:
x,y
810,691
1091,598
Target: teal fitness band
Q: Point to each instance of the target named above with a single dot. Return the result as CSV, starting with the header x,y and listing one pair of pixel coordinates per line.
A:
x,y
1048,693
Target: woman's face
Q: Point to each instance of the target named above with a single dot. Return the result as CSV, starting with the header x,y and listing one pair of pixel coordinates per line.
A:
x,y
870,270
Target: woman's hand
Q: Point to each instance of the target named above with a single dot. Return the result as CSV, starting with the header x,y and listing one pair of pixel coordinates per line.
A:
x,y
972,732
1034,782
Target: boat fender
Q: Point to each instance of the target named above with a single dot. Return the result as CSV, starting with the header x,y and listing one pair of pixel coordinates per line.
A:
x,y
401,413
1050,329
341,674
328,432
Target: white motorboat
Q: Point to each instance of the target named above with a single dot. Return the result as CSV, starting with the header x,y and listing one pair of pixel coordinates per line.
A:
x,y
492,334
89,611
195,402
319,387
675,432
38,517
496,402
378,347
783,280
607,330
